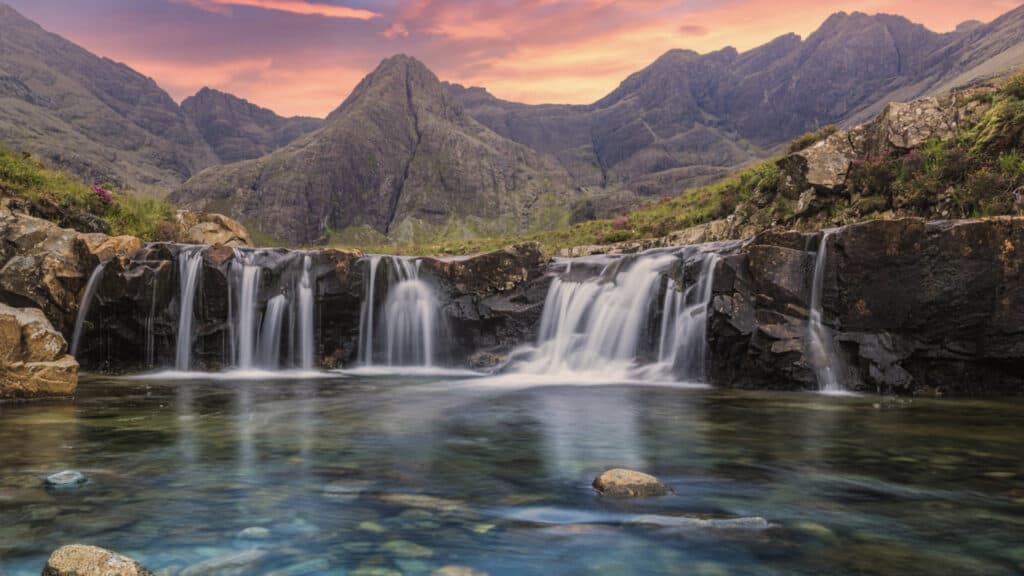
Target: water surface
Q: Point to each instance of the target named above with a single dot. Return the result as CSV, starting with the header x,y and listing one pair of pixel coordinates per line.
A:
x,y
385,474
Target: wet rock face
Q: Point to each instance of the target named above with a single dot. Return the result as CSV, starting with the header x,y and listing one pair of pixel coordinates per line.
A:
x,y
493,301
81,560
33,356
915,307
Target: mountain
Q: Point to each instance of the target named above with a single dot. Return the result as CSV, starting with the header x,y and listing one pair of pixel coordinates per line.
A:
x,y
238,130
688,117
91,115
400,157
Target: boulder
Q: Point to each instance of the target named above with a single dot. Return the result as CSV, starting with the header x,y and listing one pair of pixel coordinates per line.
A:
x,y
208,228
826,163
40,266
81,560
105,247
622,483
33,356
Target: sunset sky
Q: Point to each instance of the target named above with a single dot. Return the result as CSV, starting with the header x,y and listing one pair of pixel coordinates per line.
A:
x,y
304,56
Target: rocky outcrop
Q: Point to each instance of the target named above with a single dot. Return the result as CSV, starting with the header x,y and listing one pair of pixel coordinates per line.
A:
x,y
42,266
914,307
204,228
33,356
81,560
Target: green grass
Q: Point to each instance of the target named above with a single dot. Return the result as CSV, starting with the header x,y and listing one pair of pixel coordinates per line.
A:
x,y
27,179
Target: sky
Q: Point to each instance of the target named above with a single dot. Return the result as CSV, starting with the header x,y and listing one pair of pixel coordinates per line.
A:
x,y
303,57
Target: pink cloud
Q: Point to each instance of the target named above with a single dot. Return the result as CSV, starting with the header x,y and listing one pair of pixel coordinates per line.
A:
x,y
292,6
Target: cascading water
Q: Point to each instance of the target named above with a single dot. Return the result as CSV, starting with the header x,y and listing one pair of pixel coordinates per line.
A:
x,y
189,264
306,328
83,307
821,352
270,334
600,326
682,346
247,321
411,320
366,315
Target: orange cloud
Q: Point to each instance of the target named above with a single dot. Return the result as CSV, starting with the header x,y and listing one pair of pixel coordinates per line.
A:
x,y
292,6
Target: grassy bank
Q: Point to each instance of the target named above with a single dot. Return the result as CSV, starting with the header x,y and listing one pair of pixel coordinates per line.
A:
x,y
68,201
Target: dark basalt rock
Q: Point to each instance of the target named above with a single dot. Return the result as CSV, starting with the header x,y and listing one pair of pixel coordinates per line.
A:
x,y
915,307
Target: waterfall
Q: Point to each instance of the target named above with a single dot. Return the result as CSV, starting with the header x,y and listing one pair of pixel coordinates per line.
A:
x,y
247,321
189,265
411,316
366,320
821,351
83,307
270,334
682,345
149,325
306,328
602,326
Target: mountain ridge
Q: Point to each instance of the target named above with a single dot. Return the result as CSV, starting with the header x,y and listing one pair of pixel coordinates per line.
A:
x,y
403,152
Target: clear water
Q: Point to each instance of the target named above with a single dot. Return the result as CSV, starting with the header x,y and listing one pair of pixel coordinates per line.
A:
x,y
378,474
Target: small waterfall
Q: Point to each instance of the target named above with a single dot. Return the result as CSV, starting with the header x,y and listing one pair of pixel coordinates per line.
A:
x,y
821,352
682,345
189,265
411,319
306,328
247,321
270,335
83,307
597,325
366,319
602,325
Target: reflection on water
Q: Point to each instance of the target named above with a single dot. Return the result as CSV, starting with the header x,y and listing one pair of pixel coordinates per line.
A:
x,y
377,474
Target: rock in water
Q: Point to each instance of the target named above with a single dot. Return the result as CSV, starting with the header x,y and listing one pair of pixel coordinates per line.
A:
x,y
622,483
81,560
66,479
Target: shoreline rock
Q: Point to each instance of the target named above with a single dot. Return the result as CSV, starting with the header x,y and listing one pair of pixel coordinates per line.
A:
x,y
33,356
82,560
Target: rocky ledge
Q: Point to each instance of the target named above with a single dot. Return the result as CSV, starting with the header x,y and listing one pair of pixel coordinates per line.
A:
x,y
33,356
914,306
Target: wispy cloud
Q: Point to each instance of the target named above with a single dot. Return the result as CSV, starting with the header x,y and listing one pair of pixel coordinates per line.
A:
x,y
291,6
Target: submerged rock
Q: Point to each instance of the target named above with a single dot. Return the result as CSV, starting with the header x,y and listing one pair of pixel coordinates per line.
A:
x,y
81,560
622,483
66,479
235,564
254,533
455,570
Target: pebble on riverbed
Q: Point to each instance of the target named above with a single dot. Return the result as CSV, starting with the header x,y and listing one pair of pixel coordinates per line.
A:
x,y
66,479
622,483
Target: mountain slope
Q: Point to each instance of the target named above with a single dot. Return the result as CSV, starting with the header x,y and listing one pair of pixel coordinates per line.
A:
x,y
93,116
687,116
398,158
238,130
